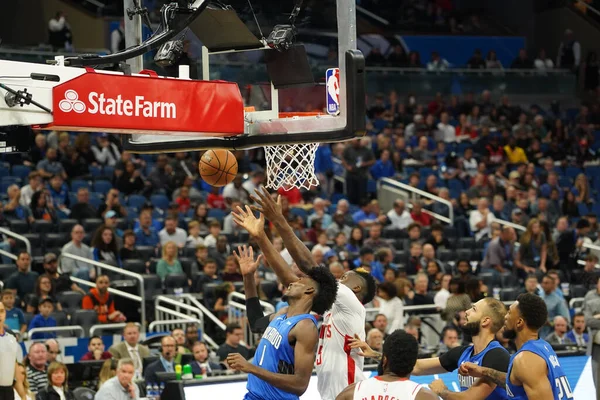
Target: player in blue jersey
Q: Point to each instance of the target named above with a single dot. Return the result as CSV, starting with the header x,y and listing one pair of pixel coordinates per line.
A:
x,y
285,355
534,372
483,320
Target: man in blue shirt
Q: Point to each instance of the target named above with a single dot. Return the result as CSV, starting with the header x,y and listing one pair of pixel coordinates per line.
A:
x,y
554,303
168,348
146,234
43,320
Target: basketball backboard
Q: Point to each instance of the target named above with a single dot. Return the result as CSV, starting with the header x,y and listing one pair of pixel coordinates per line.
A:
x,y
158,114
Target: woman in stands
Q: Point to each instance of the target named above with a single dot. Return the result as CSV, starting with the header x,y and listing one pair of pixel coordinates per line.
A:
x,y
458,300
41,206
57,388
552,258
201,215
356,240
109,369
533,251
105,248
168,264
581,189
21,377
569,206
44,288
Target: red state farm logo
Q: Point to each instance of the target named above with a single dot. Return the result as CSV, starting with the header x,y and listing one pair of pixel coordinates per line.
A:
x,y
71,102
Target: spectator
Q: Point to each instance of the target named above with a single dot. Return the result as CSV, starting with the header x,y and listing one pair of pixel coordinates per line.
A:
x,y
96,350
399,217
522,61
128,251
570,244
543,62
320,213
420,296
397,58
481,220
191,336
146,234
201,364
418,216
172,233
23,281
449,340
36,370
221,251
166,361
375,339
129,180
441,297
569,52
112,203
555,304
79,269
437,63
42,207
391,306
131,348
53,350
51,166
83,209
338,226
477,61
101,301
500,252
121,386
168,264
235,190
491,61
257,178
13,208
104,246
559,336
457,301
59,31
35,184
578,334
234,335
15,320
231,271
357,159
57,387
179,335
21,379
105,152
43,290
533,250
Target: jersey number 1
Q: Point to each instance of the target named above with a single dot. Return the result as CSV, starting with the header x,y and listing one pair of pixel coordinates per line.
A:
x,y
564,389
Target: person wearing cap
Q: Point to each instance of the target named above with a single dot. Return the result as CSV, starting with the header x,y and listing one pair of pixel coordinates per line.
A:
x,y
60,282
110,221
43,320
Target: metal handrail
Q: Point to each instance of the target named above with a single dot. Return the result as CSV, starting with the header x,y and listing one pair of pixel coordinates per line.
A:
x,y
142,296
477,72
178,304
59,329
510,224
154,324
372,15
186,318
575,300
267,307
588,7
117,292
18,237
9,255
205,311
408,188
100,327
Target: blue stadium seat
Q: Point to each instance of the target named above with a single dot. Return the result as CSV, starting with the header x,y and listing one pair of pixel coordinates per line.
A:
x,y
596,208
11,180
95,199
425,172
337,197
216,213
108,171
299,212
4,171
160,201
572,172
21,171
72,198
95,171
137,201
102,186
583,208
79,183
565,181
371,186
4,187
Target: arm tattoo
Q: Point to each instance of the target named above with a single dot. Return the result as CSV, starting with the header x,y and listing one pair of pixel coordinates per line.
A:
x,y
499,378
444,394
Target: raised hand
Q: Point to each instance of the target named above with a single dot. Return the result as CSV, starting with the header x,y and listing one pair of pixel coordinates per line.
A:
x,y
438,387
470,369
365,349
245,257
247,220
266,205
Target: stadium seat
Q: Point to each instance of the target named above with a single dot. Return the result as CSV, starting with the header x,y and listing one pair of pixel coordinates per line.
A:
x,y
61,318
18,226
95,171
91,224
83,393
160,201
66,225
464,254
466,243
11,180
508,279
70,300
488,278
7,270
270,289
56,239
35,240
4,171
102,186
42,226
134,265
96,199
21,171
85,319
28,316
108,171
445,255
176,281
508,294
578,291
152,287
210,294
76,184
572,172
217,214
146,252
137,201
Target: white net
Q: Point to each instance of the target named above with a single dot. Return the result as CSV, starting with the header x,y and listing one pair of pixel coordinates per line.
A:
x,y
291,165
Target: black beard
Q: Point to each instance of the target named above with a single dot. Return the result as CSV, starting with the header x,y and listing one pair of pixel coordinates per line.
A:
x,y
471,328
509,334
380,367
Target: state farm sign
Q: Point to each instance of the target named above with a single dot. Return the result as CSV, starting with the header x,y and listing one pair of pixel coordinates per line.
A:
x,y
135,104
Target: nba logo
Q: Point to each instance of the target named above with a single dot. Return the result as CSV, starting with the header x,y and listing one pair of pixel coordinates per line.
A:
x,y
332,79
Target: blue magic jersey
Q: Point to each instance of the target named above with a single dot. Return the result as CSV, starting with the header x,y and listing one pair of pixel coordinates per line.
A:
x,y
275,354
467,381
561,389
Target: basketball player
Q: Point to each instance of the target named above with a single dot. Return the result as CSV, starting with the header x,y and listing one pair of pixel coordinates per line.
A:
x,y
285,355
400,351
483,320
337,364
534,372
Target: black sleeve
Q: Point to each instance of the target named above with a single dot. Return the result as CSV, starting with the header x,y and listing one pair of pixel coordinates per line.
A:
x,y
258,321
449,360
497,359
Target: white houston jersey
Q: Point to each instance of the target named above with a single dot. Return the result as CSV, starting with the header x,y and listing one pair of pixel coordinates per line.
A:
x,y
376,389
337,365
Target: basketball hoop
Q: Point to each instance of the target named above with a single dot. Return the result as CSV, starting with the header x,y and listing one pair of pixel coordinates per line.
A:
x,y
291,165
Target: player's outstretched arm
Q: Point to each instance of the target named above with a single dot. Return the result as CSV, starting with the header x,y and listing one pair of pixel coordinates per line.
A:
x,y
305,334
474,370
272,210
256,228
532,371
347,394
248,266
426,394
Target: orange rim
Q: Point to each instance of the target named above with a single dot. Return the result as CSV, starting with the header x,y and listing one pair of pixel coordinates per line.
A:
x,y
300,114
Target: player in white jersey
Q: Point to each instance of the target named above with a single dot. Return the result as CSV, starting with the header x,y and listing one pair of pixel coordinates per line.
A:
x,y
337,364
400,351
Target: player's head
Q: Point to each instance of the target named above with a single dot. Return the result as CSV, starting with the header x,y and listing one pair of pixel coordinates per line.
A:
x,y
400,351
319,284
528,312
361,283
485,315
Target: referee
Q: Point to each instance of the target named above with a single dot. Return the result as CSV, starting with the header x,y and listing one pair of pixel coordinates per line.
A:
x,y
8,361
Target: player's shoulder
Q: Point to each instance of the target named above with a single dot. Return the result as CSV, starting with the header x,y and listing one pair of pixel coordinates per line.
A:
x,y
529,364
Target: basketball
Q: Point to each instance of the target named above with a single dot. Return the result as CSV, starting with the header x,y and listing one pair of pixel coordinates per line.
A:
x,y
218,167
